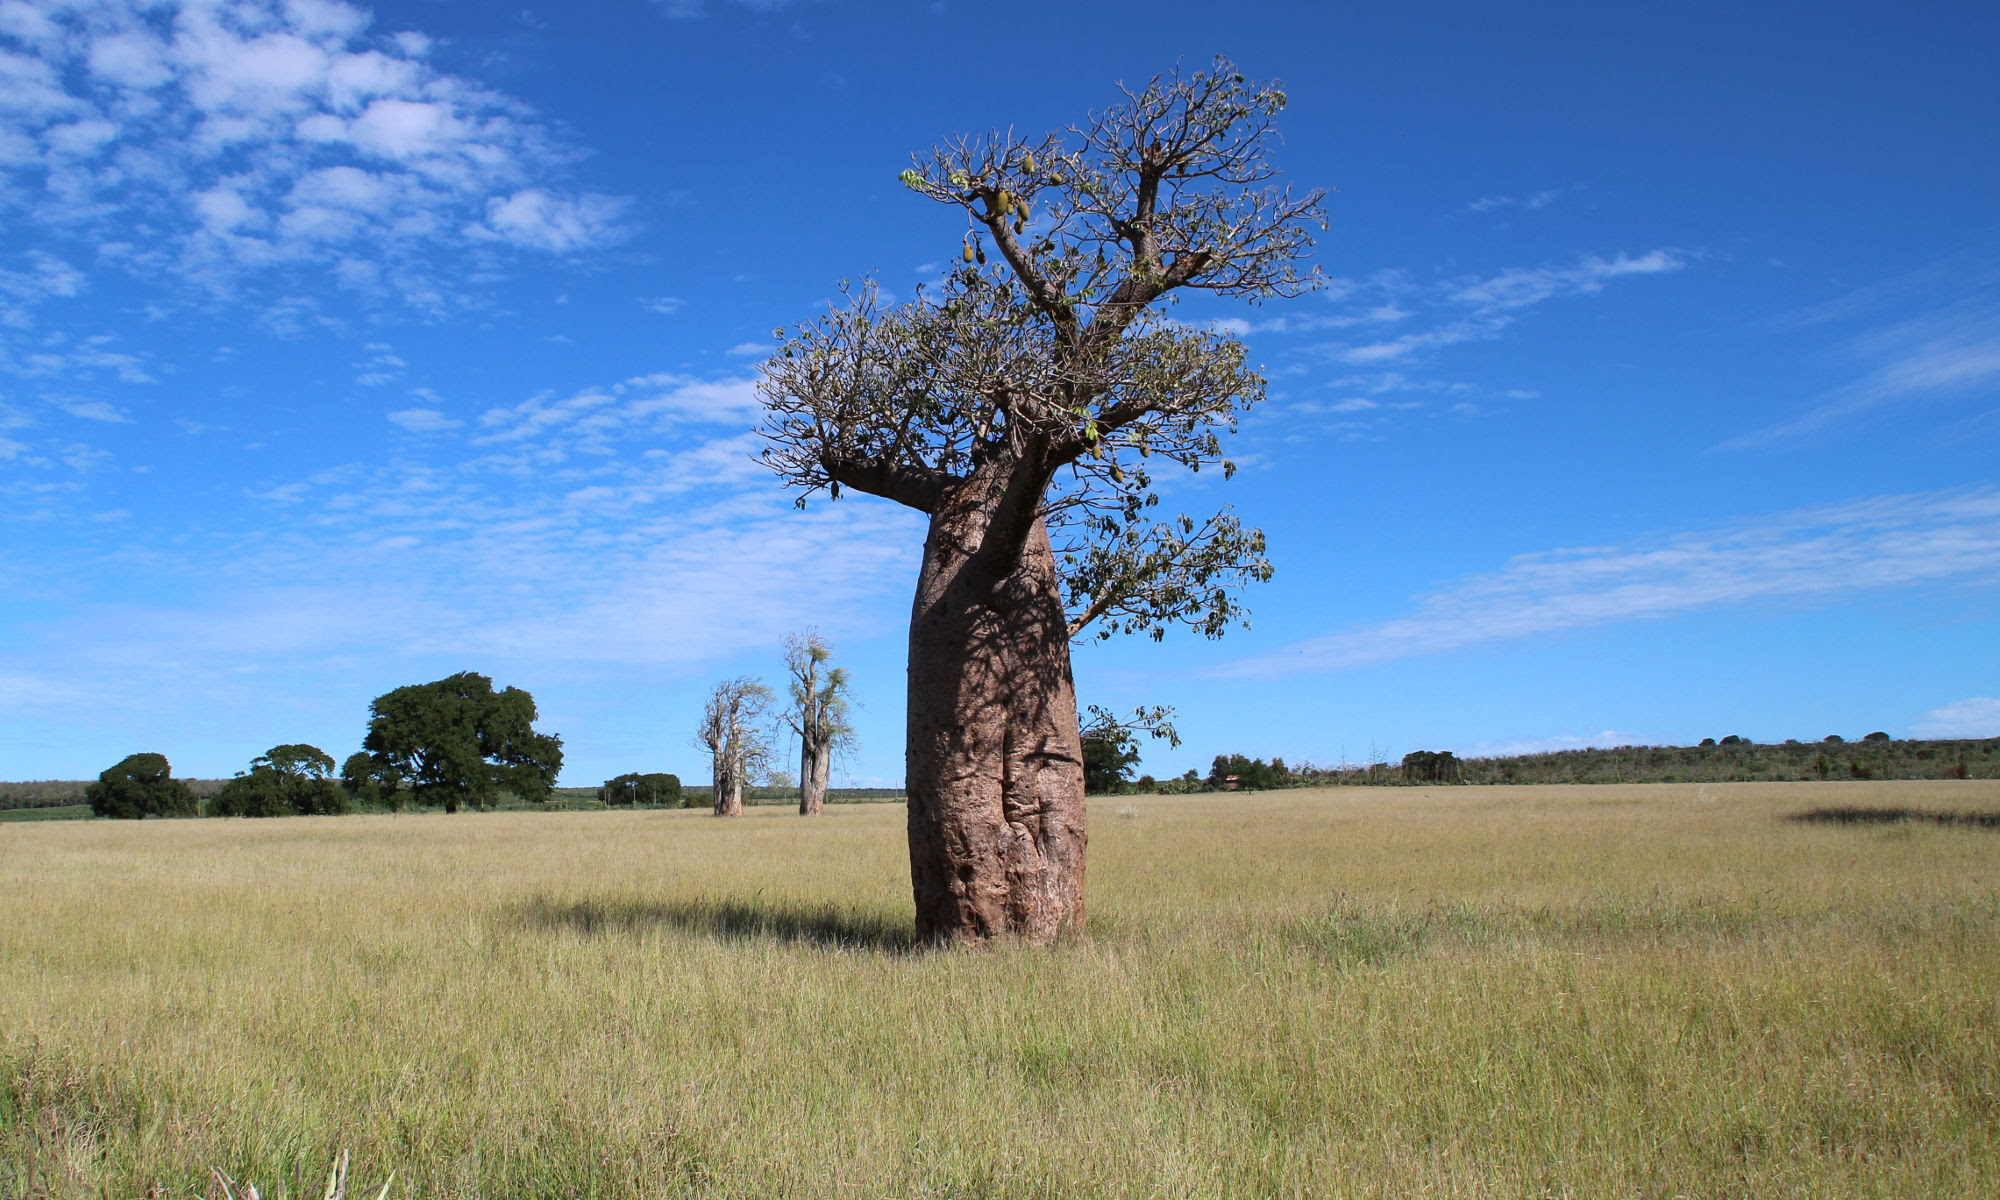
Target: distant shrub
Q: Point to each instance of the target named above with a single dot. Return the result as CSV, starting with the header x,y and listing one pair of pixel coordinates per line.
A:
x,y
656,789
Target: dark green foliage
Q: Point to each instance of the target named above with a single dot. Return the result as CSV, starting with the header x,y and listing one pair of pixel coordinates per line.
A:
x,y
654,790
285,781
1107,761
140,786
460,742
1234,772
1877,736
1432,766
371,782
1739,762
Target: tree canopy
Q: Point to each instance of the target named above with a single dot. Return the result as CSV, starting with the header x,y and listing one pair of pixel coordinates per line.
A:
x,y
140,786
1052,352
289,780
458,742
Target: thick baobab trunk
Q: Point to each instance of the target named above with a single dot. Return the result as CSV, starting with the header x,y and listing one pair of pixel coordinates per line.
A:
x,y
728,793
995,766
815,763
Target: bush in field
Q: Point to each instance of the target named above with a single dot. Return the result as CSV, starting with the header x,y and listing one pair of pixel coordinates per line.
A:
x,y
140,786
654,790
290,780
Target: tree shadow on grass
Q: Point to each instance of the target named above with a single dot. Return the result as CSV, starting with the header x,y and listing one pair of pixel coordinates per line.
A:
x,y
826,926
1864,815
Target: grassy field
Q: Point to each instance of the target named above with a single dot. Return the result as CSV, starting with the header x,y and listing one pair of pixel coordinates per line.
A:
x,y
1648,991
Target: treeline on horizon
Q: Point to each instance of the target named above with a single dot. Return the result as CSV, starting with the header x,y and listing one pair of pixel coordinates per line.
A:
x,y
68,793
1725,760
1732,759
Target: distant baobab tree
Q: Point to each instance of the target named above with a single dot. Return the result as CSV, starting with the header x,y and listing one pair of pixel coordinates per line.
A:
x,y
818,714
734,730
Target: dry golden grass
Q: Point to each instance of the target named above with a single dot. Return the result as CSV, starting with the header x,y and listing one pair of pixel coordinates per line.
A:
x,y
1467,992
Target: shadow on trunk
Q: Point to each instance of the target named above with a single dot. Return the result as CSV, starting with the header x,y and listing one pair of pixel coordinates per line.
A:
x,y
1863,815
824,925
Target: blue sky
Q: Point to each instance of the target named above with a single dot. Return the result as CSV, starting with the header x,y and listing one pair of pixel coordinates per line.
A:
x,y
1653,396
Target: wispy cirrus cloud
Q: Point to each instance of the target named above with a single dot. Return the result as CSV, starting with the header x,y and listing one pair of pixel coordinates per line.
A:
x,y
1947,350
1533,202
1813,556
694,10
1445,312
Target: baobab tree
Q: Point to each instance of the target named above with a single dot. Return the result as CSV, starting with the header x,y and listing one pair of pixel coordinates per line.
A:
x,y
734,731
1021,407
818,715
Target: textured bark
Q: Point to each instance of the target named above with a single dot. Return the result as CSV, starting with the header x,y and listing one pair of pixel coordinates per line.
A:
x,y
728,791
815,767
995,765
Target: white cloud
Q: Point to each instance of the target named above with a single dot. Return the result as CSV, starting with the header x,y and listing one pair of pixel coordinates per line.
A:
x,y
537,219
1520,287
90,410
1814,556
424,420
647,405
1534,202
751,349
689,10
1978,717
1450,312
248,134
664,305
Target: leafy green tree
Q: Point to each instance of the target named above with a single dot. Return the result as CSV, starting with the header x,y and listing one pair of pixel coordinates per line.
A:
x,y
1250,774
459,742
1111,745
372,782
140,786
289,780
1021,410
652,790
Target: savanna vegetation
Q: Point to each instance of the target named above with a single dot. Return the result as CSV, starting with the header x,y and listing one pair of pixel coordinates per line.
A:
x,y
1449,991
1732,759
